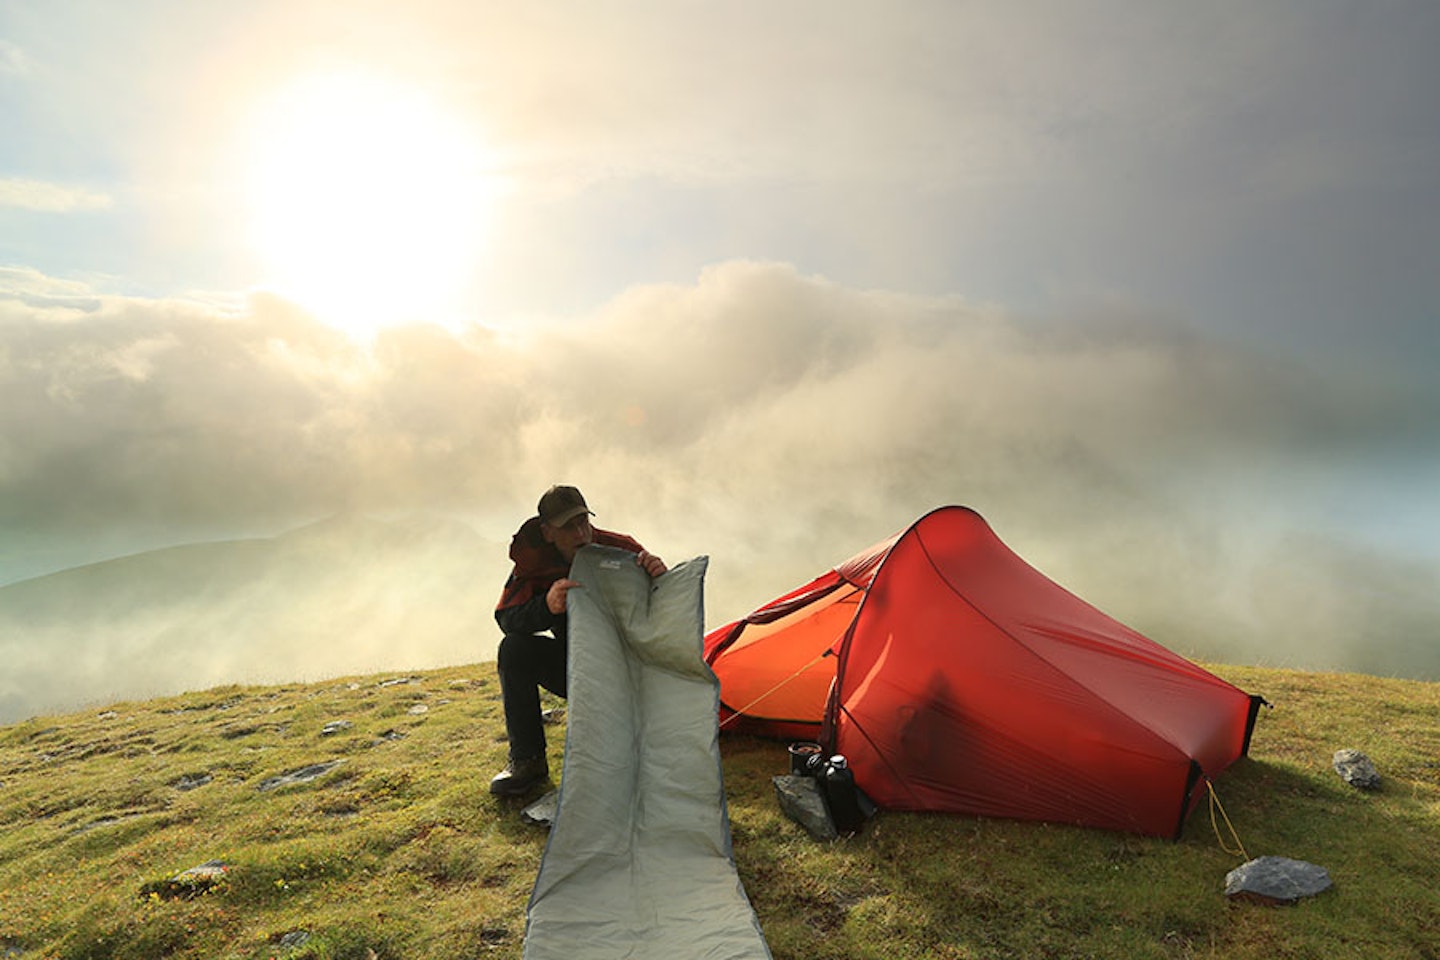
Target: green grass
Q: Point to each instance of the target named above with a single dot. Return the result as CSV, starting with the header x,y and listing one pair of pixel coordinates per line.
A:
x,y
399,851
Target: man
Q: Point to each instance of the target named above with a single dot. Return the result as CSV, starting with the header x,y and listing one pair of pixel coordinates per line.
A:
x,y
532,616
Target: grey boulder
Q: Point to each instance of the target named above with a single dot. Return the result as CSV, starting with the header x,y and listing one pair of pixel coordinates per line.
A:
x,y
1276,881
1356,769
800,799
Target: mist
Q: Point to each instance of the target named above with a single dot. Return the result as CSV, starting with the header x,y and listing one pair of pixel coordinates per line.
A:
x,y
341,597
1221,500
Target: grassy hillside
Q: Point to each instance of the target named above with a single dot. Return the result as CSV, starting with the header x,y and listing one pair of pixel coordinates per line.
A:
x,y
397,850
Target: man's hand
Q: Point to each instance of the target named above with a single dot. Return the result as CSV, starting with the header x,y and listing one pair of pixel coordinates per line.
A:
x,y
555,597
650,563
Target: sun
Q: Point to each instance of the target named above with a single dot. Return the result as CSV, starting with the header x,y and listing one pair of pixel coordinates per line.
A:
x,y
369,204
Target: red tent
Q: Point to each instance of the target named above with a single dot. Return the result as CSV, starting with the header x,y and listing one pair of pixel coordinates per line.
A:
x,y
955,677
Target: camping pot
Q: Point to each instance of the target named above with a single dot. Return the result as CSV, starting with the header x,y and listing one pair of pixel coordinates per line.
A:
x,y
806,758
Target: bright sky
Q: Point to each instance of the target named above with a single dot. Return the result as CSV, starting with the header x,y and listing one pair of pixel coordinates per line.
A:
x,y
1154,286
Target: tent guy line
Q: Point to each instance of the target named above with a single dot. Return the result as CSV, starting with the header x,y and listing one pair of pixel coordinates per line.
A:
x,y
735,714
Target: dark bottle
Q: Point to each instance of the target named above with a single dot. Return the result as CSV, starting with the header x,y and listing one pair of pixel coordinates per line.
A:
x,y
841,797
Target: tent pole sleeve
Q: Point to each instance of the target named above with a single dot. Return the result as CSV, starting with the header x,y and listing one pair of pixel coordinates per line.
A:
x,y
1190,781
830,720
1255,703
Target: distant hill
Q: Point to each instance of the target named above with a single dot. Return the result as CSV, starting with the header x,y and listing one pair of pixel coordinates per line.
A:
x,y
348,594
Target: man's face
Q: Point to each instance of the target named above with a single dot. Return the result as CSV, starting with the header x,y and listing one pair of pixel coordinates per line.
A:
x,y
570,537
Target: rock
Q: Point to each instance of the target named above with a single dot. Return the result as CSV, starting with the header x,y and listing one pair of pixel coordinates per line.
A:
x,y
209,870
1276,881
418,709
301,775
553,717
105,822
801,801
189,884
334,727
192,781
542,811
1356,769
294,939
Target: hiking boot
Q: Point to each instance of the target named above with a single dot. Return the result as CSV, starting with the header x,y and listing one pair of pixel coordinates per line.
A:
x,y
520,776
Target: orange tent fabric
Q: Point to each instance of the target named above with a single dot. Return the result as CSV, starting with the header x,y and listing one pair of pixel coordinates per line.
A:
x,y
955,677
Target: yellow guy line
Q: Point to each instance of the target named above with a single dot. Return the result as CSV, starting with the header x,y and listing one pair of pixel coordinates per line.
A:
x,y
745,709
1216,805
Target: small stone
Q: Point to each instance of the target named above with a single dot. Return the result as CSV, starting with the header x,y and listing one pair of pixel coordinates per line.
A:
x,y
334,727
542,811
1356,769
418,709
1276,881
189,884
209,870
294,939
192,781
494,936
104,822
301,775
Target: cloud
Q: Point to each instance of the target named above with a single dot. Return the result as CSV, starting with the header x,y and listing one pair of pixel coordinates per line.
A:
x,y
1263,168
30,286
775,421
48,197
13,60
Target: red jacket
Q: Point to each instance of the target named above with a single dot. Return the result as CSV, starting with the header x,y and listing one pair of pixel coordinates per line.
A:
x,y
538,563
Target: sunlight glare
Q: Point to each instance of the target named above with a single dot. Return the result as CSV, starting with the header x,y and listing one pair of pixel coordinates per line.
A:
x,y
369,205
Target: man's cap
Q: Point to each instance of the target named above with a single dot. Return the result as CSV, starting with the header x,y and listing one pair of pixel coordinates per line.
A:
x,y
560,505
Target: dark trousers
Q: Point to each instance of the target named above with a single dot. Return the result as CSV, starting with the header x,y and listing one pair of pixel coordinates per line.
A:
x,y
526,663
